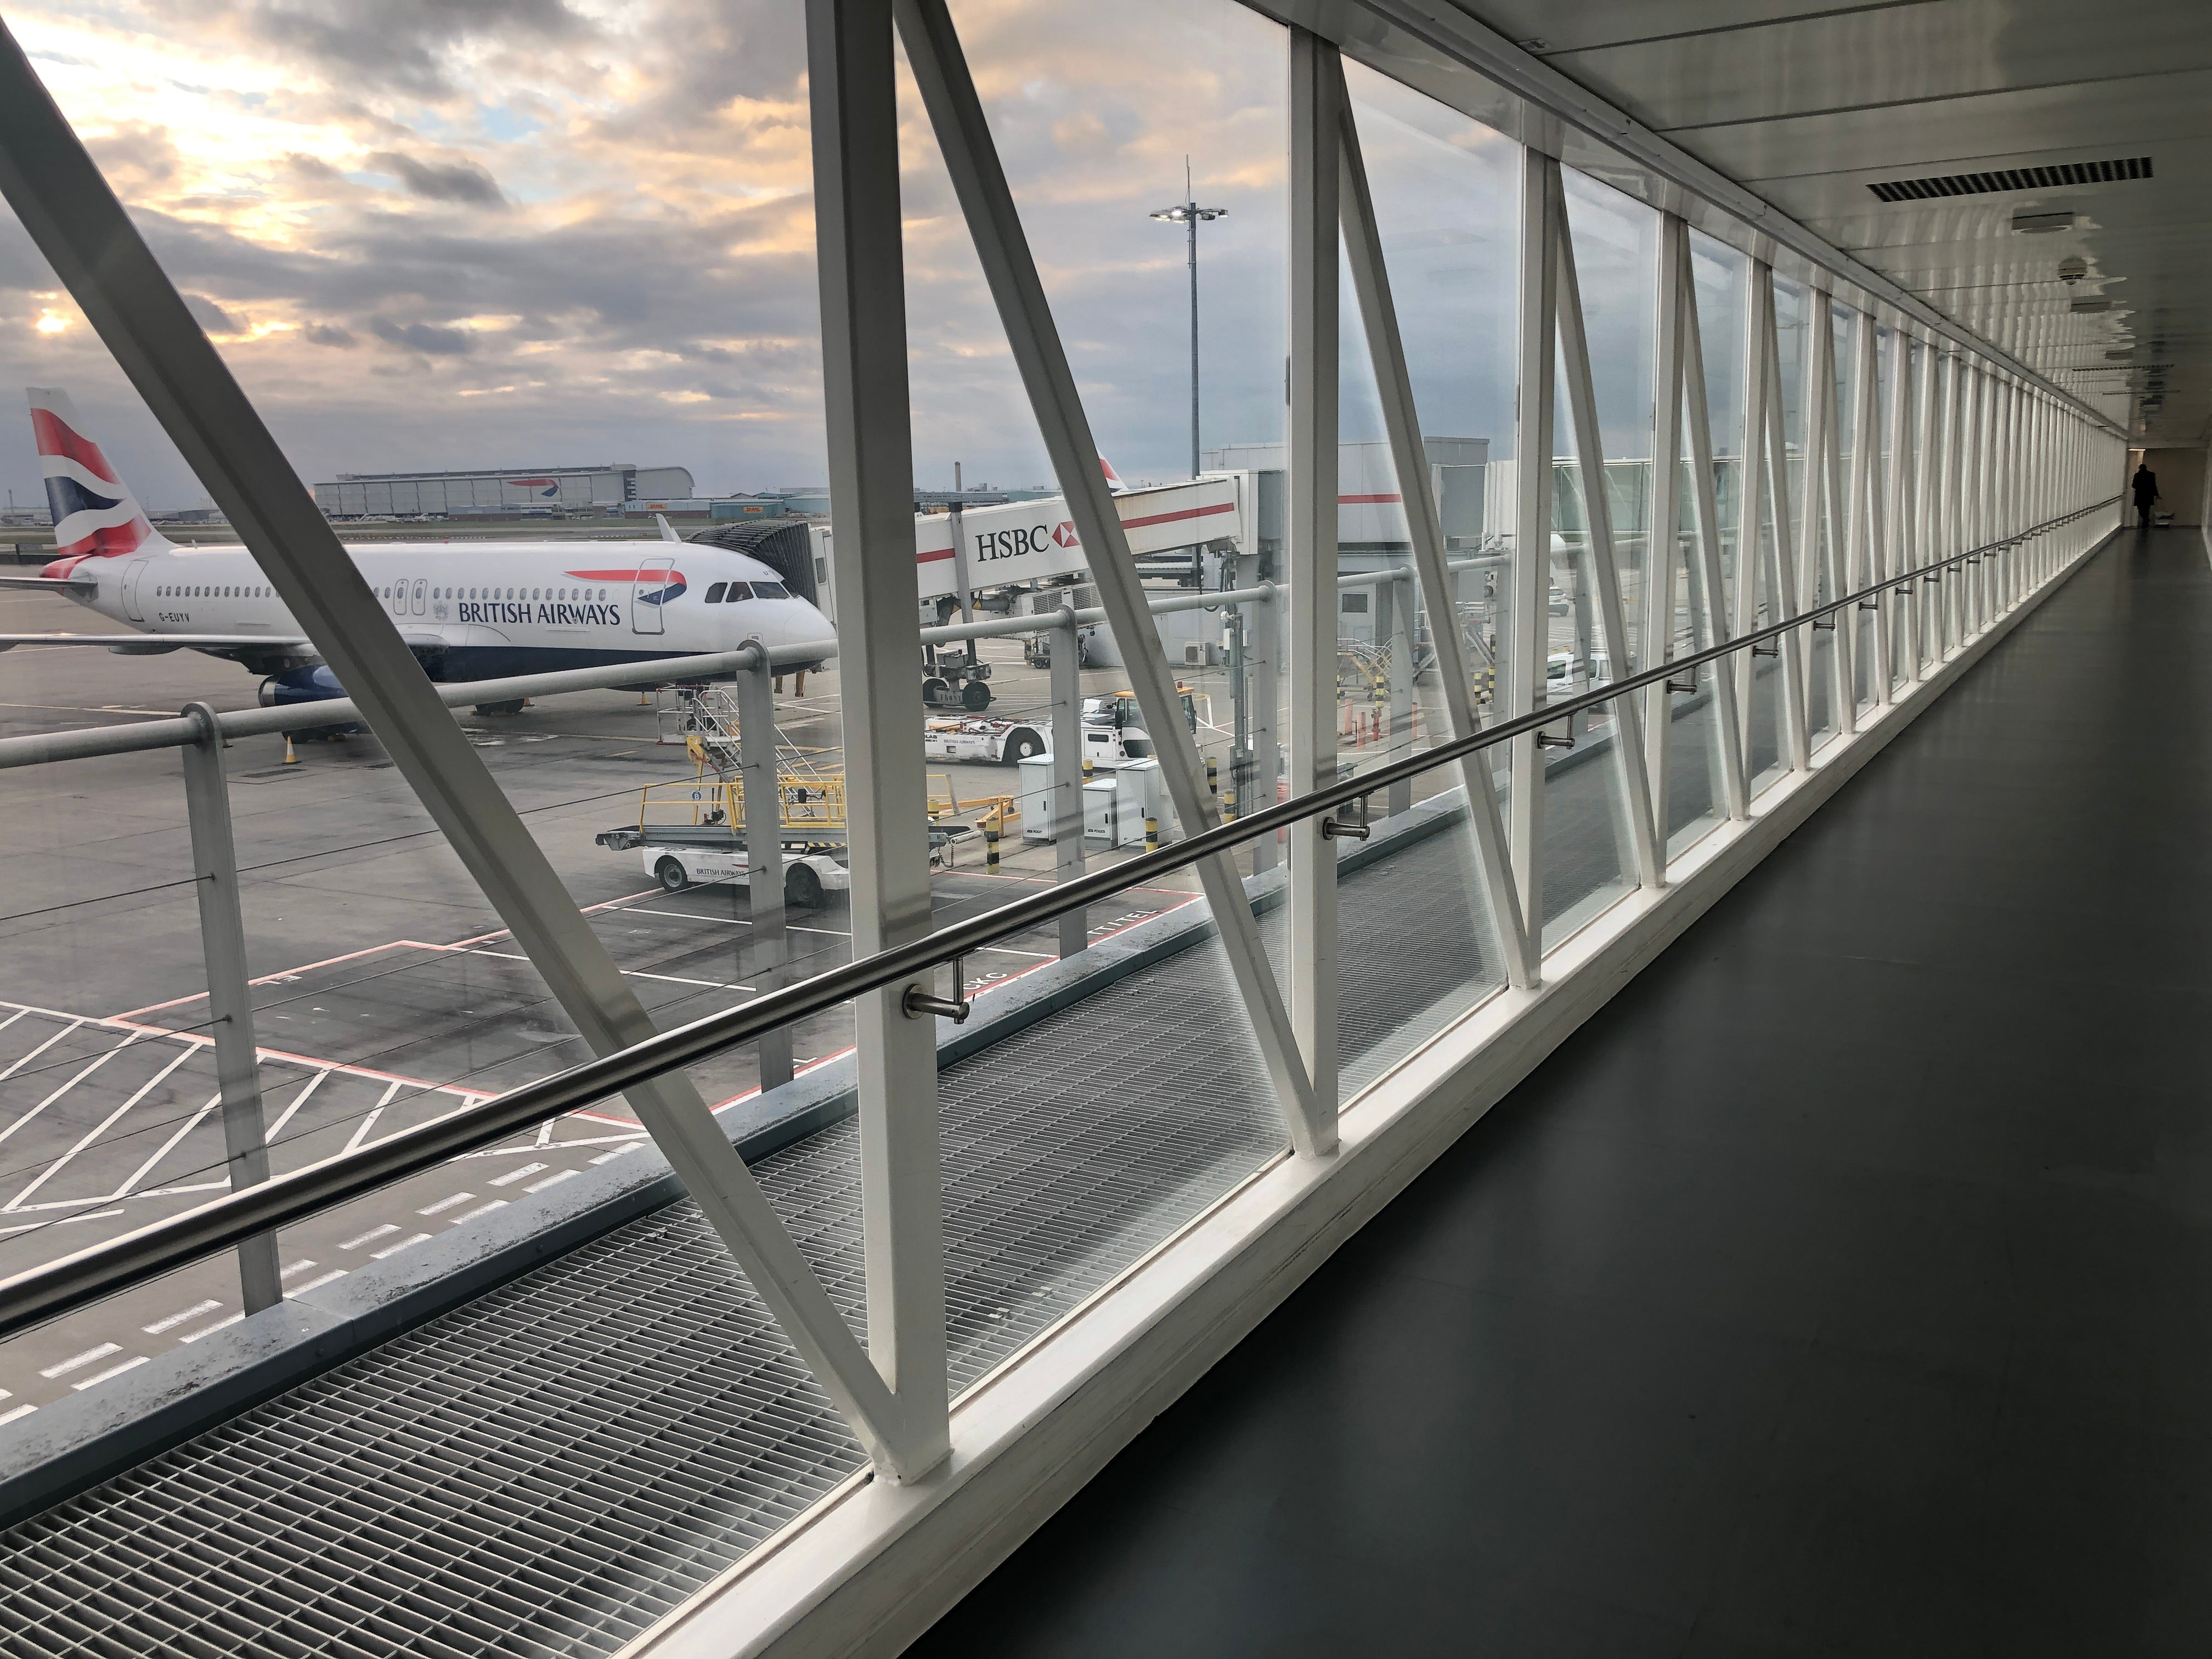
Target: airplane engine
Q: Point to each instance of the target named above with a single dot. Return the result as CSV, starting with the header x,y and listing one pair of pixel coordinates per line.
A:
x,y
315,684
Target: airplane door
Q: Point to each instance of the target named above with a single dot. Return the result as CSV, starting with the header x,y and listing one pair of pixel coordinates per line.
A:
x,y
654,578
421,592
132,573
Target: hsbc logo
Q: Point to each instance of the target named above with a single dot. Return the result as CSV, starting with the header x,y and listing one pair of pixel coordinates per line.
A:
x,y
1030,538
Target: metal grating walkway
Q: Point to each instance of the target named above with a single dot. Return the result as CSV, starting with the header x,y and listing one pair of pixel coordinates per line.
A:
x,y
554,1467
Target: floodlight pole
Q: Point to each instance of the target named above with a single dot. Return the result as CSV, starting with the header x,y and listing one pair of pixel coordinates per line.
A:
x,y
1187,213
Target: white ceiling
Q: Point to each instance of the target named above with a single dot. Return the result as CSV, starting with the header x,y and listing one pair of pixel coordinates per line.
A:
x,y
1807,108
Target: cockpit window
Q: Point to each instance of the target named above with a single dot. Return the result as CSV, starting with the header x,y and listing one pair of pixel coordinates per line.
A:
x,y
740,591
770,591
714,593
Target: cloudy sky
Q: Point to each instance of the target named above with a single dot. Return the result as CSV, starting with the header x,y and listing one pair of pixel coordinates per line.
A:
x,y
456,233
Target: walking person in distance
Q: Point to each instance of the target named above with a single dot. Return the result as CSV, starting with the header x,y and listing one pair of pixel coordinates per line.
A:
x,y
2145,484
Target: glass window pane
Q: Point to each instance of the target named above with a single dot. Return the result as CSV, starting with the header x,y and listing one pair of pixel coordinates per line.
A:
x,y
1588,850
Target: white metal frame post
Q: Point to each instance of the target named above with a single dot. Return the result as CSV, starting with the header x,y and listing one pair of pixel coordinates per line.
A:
x,y
2035,459
2003,454
1862,494
1818,391
1973,498
1370,280
1662,539
230,996
1927,461
1316,111
1976,593
1712,586
1951,385
1898,415
1634,800
1819,542
1974,596
1927,596
1751,533
963,138
2018,495
1795,737
859,240
1529,619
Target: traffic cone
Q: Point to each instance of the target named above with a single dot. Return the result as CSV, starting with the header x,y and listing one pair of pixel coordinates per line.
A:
x,y
290,759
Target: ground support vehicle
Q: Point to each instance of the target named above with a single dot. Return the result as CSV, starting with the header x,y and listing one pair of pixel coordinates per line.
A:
x,y
693,831
814,873
980,738
1113,727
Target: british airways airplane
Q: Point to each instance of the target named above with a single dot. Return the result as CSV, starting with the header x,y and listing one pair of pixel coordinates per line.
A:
x,y
470,611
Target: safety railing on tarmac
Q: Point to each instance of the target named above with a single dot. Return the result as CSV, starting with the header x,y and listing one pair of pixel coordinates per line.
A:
x,y
73,1282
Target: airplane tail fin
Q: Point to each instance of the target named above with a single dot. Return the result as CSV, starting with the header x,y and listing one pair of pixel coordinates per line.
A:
x,y
95,515
1112,478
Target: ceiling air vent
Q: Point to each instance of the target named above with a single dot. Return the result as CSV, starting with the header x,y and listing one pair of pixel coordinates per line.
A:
x,y
1985,184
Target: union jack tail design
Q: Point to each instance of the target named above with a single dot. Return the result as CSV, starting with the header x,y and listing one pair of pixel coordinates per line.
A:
x,y
95,515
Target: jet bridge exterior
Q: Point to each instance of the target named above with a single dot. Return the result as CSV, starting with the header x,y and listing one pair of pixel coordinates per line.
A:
x,y
1036,541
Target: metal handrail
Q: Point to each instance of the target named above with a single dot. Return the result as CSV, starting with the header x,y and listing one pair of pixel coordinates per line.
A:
x,y
61,1287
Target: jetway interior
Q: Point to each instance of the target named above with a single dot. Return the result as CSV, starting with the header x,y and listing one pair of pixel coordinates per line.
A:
x,y
1592,1069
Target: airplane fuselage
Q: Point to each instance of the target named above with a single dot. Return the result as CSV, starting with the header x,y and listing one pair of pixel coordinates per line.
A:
x,y
480,611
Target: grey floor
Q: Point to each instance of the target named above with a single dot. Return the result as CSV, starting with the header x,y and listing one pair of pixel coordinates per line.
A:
x,y
1844,1286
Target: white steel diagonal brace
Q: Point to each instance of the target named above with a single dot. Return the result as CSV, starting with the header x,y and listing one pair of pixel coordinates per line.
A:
x,y
1796,740
1711,613
1635,797
1751,535
963,137
1662,540
1527,627
65,203
1370,280
1827,458
1866,498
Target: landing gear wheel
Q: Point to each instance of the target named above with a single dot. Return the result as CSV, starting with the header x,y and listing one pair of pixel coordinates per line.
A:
x,y
802,886
974,697
1024,745
669,872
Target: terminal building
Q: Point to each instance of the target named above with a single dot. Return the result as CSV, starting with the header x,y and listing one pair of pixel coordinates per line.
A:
x,y
523,489
1589,1037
